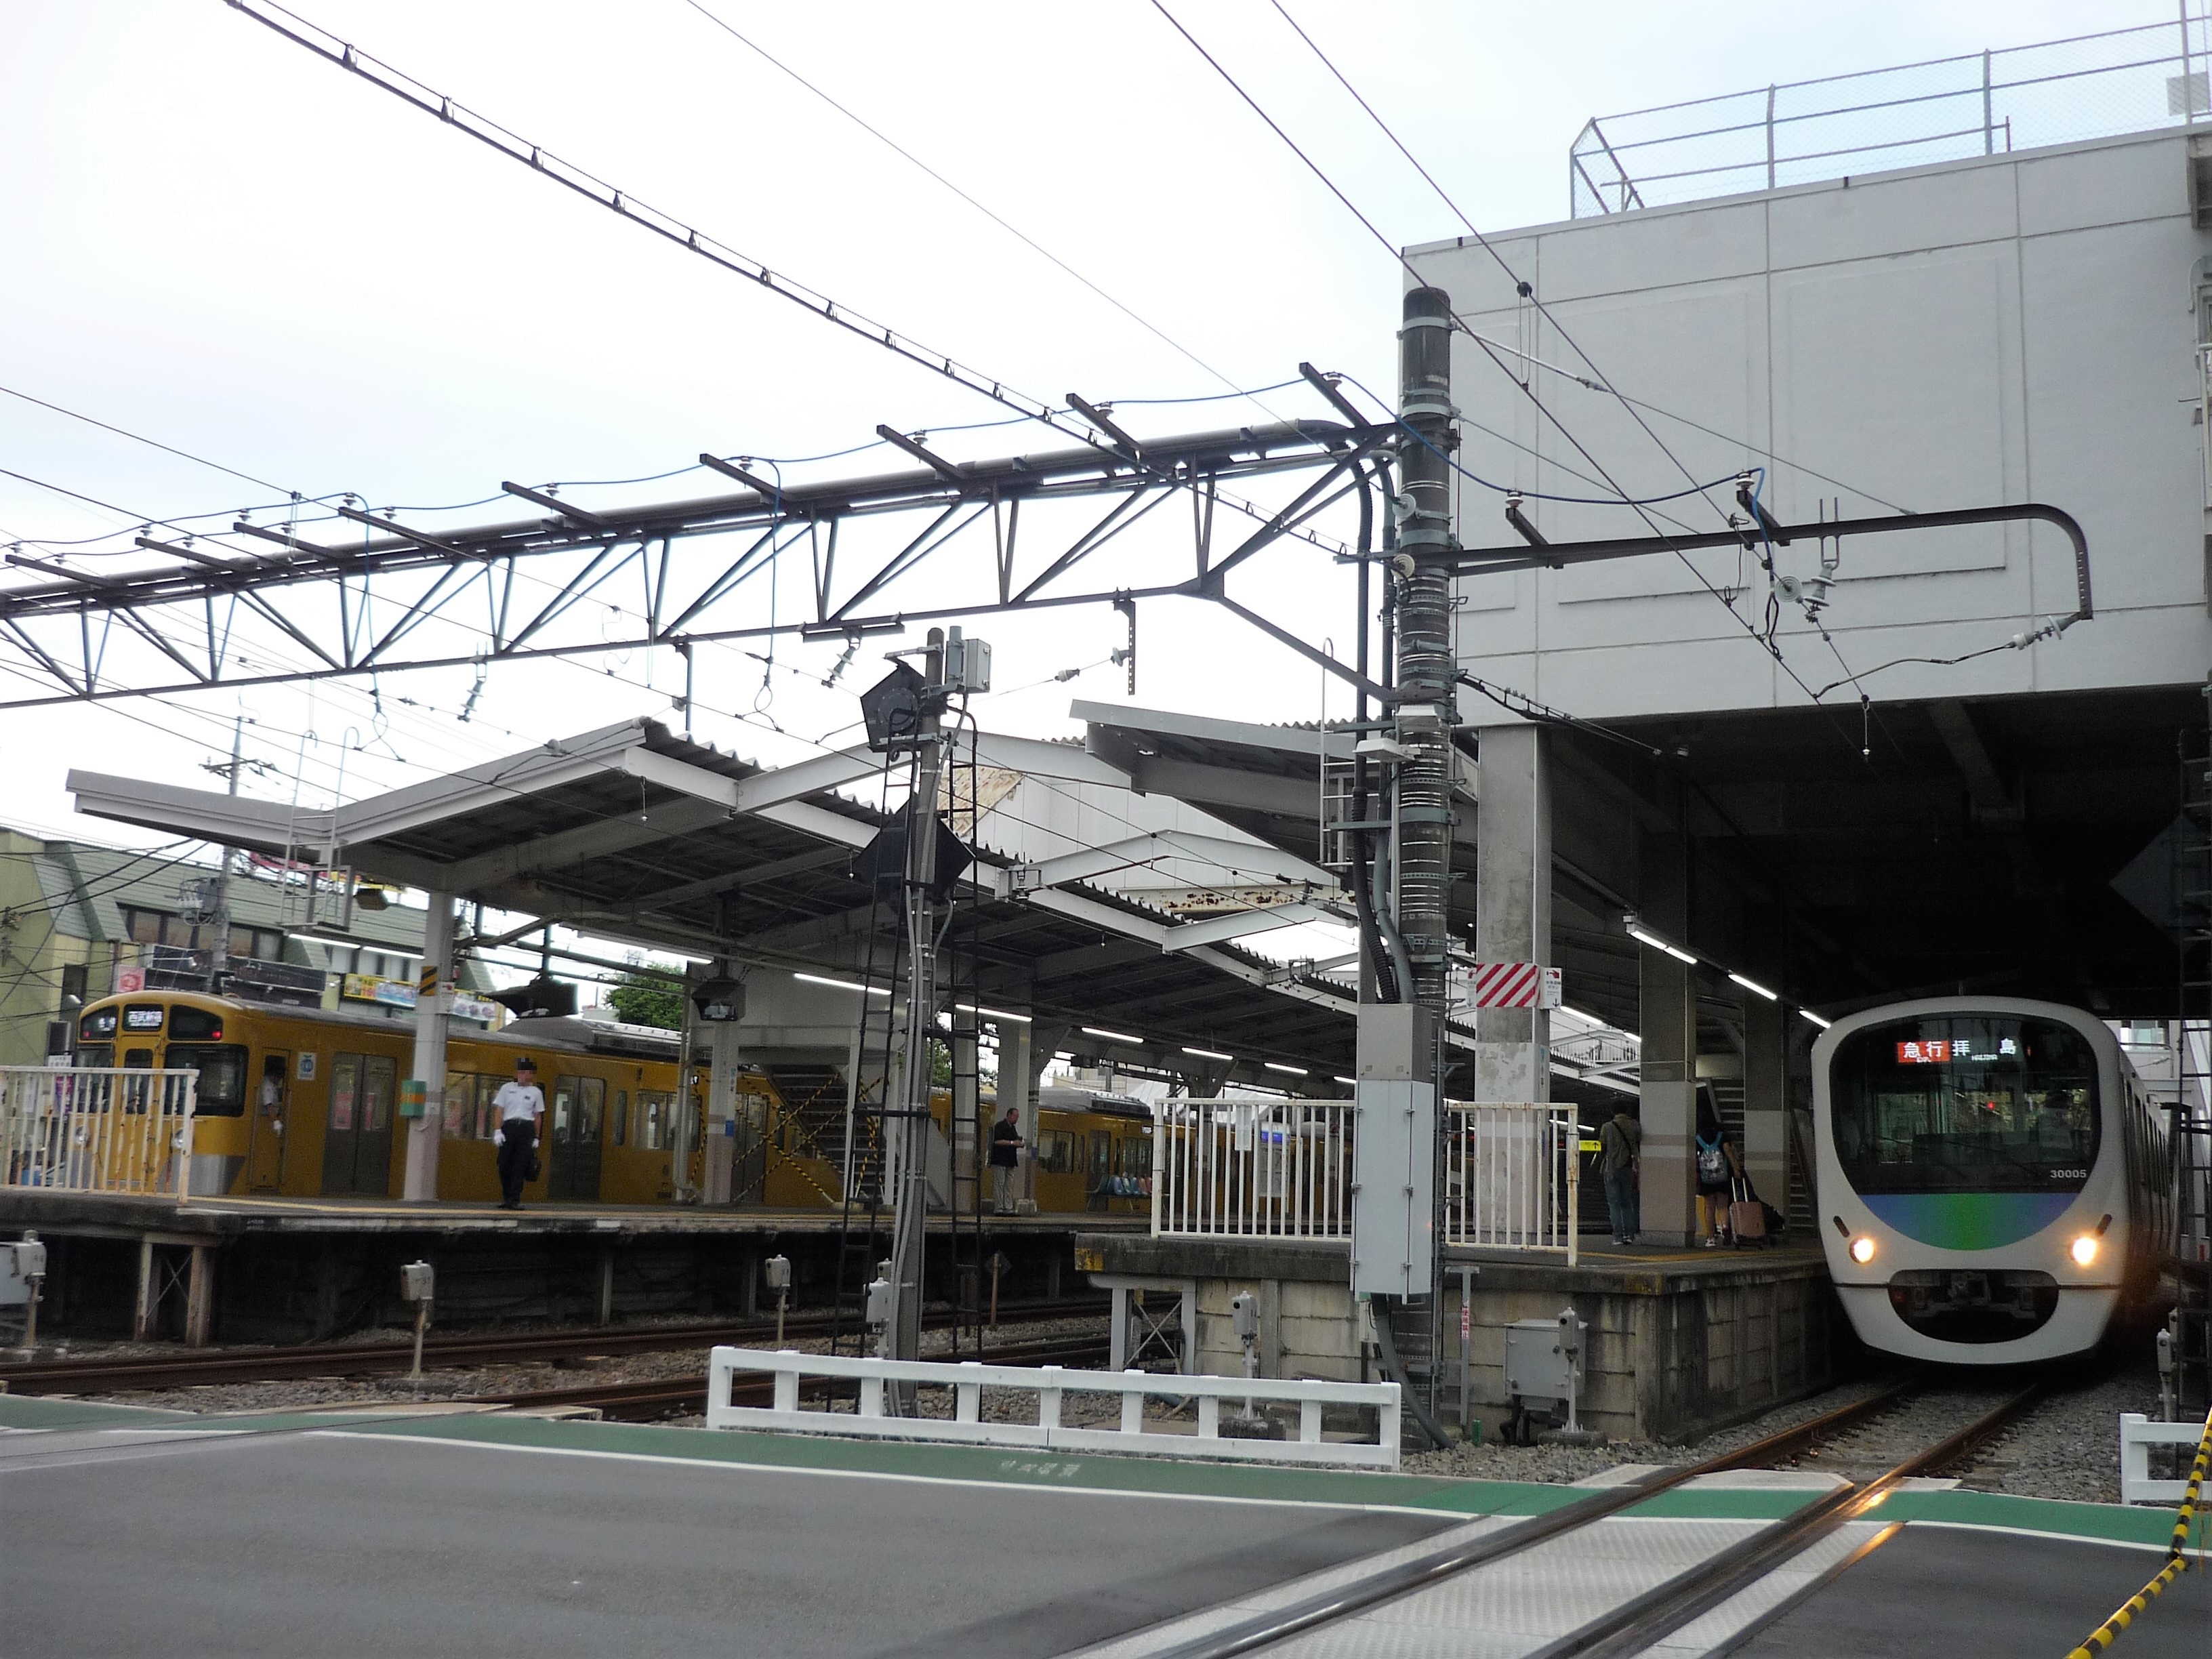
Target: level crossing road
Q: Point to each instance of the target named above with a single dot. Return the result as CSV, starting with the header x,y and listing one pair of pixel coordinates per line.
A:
x,y
352,1541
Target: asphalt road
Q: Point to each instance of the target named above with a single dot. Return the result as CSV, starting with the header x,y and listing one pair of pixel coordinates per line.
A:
x,y
1990,1595
299,1544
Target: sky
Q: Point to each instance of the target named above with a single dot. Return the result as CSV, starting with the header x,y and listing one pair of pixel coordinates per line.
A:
x,y
217,241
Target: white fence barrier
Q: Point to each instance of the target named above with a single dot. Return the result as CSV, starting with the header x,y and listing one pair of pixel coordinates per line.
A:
x,y
2138,1434
1047,1384
1512,1177
1266,1168
96,1129
1252,1169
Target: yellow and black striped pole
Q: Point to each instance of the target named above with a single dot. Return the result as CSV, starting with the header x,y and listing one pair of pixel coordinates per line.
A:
x,y
2176,1556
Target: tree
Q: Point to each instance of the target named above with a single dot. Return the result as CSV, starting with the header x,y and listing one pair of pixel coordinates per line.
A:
x,y
648,999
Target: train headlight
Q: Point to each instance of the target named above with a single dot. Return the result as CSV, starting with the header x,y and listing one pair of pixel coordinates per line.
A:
x,y
2084,1249
1863,1249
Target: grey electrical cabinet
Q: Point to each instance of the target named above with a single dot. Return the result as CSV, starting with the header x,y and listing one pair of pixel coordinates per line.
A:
x,y
1393,1153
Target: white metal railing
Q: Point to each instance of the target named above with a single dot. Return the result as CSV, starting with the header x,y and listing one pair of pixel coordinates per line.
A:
x,y
96,1129
1512,1177
1048,1385
1252,1169
2088,86
2138,1434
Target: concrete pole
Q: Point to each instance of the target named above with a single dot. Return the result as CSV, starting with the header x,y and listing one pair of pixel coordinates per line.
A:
x,y
909,1174
720,1142
1015,1090
1513,907
1766,1097
433,999
1667,1106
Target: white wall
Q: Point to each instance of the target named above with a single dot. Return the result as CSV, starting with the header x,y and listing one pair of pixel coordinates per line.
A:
x,y
2019,328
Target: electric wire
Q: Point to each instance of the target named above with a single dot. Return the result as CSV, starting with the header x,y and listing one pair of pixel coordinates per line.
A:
x,y
1526,289
1019,235
1484,346
140,437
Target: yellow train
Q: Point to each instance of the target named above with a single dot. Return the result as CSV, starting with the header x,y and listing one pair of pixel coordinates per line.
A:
x,y
304,1102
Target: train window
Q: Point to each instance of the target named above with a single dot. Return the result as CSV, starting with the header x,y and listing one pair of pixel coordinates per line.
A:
x,y
96,1054
1056,1153
100,1023
618,1121
1966,1103
194,1025
460,1106
1136,1155
653,1108
222,1077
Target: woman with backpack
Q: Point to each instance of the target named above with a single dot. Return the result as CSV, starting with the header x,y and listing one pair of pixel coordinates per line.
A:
x,y
1719,1167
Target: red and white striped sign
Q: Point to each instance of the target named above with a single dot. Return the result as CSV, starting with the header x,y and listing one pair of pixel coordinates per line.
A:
x,y
1515,985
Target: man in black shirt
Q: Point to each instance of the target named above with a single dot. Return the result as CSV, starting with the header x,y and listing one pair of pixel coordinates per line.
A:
x,y
1006,1159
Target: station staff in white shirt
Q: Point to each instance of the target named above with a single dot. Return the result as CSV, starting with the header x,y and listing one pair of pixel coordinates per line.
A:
x,y
521,1106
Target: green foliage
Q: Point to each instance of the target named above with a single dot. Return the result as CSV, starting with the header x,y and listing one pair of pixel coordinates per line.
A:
x,y
641,999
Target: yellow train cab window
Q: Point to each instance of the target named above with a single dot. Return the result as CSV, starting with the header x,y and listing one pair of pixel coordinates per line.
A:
x,y
221,1090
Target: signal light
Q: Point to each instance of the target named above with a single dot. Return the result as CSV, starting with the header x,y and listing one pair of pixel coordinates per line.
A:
x,y
2084,1250
1863,1249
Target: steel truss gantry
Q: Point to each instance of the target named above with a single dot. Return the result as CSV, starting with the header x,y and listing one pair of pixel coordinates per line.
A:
x,y
208,613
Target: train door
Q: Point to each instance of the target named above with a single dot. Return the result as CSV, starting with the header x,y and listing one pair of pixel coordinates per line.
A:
x,y
264,1132
579,1133
341,1130
357,1136
1102,1165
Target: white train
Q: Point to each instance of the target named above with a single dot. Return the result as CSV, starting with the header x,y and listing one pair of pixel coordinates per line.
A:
x,y
1993,1182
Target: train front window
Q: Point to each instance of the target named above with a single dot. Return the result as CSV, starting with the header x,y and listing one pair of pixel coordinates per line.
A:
x,y
221,1090
1966,1104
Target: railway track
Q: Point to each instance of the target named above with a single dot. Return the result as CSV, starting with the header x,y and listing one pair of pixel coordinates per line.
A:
x,y
104,1376
662,1396
1647,1618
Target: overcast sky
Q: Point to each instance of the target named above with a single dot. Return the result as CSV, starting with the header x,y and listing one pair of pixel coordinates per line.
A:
x,y
218,241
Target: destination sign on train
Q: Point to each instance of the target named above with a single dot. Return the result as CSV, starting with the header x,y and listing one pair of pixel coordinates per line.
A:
x,y
1937,1051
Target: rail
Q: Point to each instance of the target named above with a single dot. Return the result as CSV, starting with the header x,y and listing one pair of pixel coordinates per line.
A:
x,y
1512,1177
1944,109
1252,1169
1041,1428
97,1129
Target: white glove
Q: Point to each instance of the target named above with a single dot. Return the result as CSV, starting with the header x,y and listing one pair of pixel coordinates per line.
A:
x,y
499,1137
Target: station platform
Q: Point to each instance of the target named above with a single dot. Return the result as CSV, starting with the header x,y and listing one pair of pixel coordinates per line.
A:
x,y
290,1269
1680,1341
412,1530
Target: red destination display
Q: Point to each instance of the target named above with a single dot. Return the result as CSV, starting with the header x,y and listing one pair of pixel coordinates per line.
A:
x,y
1935,1053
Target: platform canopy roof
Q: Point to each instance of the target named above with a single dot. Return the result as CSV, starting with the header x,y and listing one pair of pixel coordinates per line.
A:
x,y
632,832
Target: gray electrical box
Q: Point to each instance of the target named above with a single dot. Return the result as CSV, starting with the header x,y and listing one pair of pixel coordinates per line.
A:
x,y
15,1277
418,1282
1244,1315
1544,1366
967,663
1393,1153
778,1270
878,1313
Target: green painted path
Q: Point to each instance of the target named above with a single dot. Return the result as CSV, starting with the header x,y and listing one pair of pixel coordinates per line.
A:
x,y
1156,1477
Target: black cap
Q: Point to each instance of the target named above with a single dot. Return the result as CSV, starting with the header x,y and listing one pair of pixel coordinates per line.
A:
x,y
524,1063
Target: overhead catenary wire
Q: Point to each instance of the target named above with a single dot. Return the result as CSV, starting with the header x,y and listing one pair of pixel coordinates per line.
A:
x,y
400,84
1484,346
992,214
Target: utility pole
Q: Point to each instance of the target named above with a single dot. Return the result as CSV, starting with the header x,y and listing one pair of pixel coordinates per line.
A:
x,y
1398,1092
909,1173
1428,667
219,948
